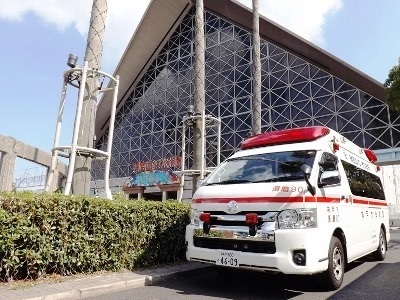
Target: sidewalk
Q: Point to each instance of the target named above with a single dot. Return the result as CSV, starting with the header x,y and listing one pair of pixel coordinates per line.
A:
x,y
92,285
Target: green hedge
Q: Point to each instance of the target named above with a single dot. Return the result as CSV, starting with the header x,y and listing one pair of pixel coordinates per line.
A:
x,y
52,233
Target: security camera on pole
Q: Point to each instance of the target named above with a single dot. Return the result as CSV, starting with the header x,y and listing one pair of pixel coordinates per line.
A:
x,y
82,150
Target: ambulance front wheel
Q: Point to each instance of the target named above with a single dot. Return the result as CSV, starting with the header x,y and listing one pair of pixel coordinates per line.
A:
x,y
336,264
380,253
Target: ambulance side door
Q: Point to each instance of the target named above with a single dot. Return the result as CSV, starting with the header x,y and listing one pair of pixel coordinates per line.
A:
x,y
330,188
357,229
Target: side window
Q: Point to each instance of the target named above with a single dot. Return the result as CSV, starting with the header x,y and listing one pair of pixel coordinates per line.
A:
x,y
328,162
363,183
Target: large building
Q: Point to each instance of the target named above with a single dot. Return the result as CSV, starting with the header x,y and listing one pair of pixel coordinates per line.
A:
x,y
301,85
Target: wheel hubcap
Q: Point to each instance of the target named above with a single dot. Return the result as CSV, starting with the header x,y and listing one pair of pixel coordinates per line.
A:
x,y
337,263
382,243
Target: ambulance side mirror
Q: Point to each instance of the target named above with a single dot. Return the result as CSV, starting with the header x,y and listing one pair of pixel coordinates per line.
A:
x,y
329,178
306,169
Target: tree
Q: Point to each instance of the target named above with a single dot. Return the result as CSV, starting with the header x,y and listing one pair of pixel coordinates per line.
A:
x,y
392,85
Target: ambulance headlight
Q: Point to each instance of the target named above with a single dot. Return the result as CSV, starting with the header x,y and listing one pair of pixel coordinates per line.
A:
x,y
297,218
195,217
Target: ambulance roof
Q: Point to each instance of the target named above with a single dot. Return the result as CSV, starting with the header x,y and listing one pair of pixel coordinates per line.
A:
x,y
305,138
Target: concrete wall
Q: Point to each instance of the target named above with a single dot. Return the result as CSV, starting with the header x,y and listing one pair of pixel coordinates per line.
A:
x,y
10,149
115,184
391,184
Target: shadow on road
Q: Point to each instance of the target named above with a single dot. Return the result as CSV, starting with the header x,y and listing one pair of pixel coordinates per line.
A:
x,y
240,285
381,281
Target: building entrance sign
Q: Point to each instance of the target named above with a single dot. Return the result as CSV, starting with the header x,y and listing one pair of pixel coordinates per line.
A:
x,y
154,172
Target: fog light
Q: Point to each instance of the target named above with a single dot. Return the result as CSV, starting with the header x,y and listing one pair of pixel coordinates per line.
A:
x,y
299,257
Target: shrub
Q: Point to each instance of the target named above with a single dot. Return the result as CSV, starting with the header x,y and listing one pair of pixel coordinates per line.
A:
x,y
53,233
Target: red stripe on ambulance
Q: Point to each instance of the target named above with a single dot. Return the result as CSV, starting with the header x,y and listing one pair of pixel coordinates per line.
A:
x,y
295,199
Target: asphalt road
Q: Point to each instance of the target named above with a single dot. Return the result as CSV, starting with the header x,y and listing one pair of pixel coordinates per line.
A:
x,y
364,279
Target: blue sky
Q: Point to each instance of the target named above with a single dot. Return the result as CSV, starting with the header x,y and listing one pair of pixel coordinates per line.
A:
x,y
37,36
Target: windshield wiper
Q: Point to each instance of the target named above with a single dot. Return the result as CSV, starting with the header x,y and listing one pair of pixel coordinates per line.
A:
x,y
230,181
259,158
281,178
291,177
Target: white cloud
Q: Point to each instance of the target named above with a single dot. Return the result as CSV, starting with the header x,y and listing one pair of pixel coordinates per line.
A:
x,y
123,17
61,13
122,20
305,18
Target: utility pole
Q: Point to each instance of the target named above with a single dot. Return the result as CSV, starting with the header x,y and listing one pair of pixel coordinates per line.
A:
x,y
94,52
199,92
256,103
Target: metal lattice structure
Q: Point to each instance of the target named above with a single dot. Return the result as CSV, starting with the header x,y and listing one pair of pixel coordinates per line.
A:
x,y
294,93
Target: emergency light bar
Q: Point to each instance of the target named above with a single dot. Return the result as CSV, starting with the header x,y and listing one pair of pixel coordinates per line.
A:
x,y
285,136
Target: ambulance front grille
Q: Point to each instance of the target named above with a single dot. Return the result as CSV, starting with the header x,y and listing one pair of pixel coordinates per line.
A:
x,y
219,218
234,244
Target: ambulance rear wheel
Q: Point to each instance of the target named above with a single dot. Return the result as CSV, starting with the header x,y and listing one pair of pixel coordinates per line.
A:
x,y
336,264
380,253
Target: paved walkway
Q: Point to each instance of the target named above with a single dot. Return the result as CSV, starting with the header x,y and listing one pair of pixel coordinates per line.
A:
x,y
92,285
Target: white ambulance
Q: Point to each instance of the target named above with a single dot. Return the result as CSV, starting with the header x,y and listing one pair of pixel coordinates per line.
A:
x,y
296,201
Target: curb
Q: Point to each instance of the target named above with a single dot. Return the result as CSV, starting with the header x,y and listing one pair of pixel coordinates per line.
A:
x,y
134,283
123,284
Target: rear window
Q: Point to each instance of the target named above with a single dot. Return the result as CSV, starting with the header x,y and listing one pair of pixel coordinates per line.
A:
x,y
363,183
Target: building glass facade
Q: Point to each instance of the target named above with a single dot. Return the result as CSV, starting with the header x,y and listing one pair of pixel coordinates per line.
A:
x,y
295,93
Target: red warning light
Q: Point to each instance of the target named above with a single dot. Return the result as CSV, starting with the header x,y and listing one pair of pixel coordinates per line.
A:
x,y
285,136
251,218
205,217
371,155
336,147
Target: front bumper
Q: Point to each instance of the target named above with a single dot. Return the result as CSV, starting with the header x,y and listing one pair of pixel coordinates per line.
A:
x,y
267,254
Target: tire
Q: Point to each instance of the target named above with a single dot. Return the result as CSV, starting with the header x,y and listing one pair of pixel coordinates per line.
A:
x,y
380,252
336,265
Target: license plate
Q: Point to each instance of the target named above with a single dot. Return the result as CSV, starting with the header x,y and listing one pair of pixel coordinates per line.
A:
x,y
227,258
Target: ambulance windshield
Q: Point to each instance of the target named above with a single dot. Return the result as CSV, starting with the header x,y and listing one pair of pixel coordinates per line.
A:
x,y
264,167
